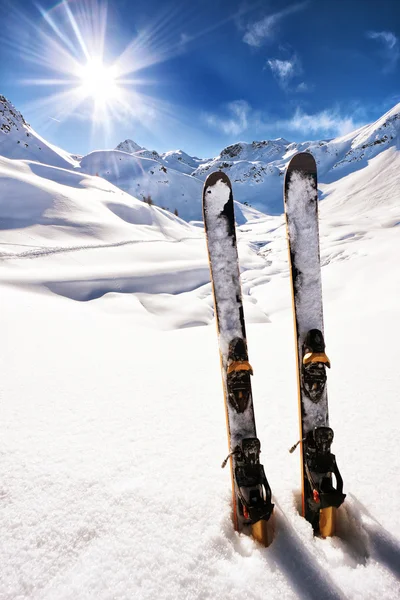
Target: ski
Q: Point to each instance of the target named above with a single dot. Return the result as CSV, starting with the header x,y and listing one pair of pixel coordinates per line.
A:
x,y
252,506
320,496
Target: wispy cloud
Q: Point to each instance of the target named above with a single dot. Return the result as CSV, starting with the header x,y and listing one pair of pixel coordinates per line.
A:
x,y
264,31
326,123
285,70
388,38
390,48
304,87
240,117
237,120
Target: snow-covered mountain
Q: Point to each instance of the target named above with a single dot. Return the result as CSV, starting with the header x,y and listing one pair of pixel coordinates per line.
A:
x,y
129,146
256,169
44,190
174,180
147,178
19,141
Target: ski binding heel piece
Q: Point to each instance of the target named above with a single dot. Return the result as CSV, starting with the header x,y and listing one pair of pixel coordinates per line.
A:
x,y
320,465
253,489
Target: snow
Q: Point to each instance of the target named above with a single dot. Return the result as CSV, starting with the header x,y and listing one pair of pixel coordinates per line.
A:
x,y
146,177
129,146
18,140
112,417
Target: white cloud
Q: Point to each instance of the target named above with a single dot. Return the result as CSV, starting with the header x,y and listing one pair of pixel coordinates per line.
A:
x,y
326,122
241,117
390,50
236,122
387,37
282,69
262,31
285,70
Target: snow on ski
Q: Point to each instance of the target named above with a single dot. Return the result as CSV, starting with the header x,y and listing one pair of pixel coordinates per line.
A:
x,y
250,489
319,497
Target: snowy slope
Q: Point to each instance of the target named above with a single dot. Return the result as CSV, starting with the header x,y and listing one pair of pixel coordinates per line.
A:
x,y
144,177
19,140
112,419
103,493
180,161
176,159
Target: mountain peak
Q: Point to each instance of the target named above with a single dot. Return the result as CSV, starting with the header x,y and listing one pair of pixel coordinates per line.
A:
x,y
129,146
371,139
10,117
19,141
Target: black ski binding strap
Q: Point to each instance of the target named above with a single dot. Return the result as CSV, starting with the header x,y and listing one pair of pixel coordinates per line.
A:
x,y
314,362
254,492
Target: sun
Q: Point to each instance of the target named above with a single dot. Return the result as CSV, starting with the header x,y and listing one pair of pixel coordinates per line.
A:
x,y
98,81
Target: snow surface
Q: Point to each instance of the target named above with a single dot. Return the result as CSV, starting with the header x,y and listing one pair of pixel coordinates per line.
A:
x,y
112,416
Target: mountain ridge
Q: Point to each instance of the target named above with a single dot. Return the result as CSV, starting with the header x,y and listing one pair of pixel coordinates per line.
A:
x,y
173,180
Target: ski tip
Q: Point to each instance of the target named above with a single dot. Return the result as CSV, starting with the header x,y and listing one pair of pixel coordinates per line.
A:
x,y
303,161
215,177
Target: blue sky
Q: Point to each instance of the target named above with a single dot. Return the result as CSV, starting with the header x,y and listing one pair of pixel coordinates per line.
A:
x,y
200,74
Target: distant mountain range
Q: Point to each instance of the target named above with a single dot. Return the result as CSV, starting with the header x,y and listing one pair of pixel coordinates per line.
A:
x,y
174,180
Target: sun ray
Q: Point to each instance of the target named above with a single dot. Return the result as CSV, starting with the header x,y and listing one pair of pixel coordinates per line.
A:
x,y
76,30
95,81
61,34
48,81
61,105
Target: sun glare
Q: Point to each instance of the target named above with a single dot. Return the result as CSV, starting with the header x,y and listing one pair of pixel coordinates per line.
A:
x,y
98,81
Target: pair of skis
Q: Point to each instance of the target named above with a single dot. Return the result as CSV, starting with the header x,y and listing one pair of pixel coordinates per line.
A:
x,y
252,505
